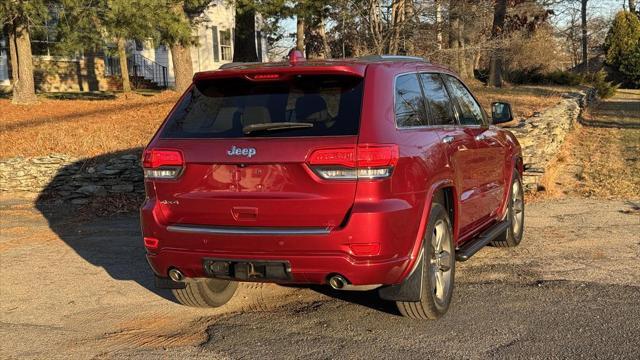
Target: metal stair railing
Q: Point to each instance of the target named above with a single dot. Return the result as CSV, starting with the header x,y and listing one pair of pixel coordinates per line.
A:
x,y
140,67
143,67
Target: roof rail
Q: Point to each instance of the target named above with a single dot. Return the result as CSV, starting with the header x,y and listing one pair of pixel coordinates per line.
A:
x,y
392,58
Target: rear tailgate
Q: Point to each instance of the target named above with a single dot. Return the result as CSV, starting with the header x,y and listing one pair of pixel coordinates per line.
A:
x,y
233,178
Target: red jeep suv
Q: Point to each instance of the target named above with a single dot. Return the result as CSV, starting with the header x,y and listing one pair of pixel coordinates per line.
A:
x,y
371,173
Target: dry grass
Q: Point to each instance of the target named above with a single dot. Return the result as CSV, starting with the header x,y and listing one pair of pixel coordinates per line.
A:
x,y
81,128
87,128
598,162
601,162
525,100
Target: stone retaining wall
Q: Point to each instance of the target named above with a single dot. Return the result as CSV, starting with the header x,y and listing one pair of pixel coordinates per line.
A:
x,y
71,180
542,135
66,179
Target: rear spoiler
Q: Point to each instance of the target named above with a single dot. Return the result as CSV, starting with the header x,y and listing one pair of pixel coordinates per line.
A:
x,y
283,70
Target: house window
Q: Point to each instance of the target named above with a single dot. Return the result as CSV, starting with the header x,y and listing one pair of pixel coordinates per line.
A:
x,y
225,45
44,38
4,68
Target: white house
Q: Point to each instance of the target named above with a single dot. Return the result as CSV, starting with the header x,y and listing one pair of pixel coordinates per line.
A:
x,y
215,33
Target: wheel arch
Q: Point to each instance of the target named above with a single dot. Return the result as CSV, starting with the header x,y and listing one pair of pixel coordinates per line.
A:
x,y
408,289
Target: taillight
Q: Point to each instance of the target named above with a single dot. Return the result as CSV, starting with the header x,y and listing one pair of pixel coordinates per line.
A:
x,y
365,161
162,163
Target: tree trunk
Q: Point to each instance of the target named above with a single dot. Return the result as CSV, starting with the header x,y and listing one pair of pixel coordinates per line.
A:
x,y
462,53
300,33
13,54
410,25
439,24
326,49
375,25
244,45
456,38
124,70
21,65
585,48
397,22
453,25
633,7
182,66
495,67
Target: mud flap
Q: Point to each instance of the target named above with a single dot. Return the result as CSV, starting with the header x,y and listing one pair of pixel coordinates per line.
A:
x,y
408,290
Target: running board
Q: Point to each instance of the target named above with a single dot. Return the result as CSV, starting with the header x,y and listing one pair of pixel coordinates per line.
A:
x,y
472,246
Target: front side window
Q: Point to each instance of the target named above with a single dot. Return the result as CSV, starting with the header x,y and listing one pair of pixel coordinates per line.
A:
x,y
438,99
409,102
470,110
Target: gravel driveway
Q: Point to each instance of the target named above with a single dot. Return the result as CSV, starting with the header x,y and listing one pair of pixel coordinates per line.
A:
x,y
74,287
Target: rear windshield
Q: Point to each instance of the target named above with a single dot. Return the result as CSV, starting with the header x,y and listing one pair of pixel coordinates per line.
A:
x,y
222,108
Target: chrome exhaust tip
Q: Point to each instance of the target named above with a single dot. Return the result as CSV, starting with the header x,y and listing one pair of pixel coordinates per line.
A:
x,y
176,275
338,282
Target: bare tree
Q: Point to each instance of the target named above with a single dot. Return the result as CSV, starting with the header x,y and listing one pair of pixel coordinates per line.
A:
x,y
438,24
398,9
375,25
300,32
456,36
585,39
495,70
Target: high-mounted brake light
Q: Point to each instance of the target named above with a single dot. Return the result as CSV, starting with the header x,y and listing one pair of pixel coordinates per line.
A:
x,y
162,163
264,77
367,161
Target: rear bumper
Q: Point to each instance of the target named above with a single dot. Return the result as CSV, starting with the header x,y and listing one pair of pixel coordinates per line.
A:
x,y
304,269
392,224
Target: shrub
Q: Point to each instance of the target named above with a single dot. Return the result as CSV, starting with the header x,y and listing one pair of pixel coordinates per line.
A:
x,y
560,77
622,45
535,75
630,66
622,38
604,88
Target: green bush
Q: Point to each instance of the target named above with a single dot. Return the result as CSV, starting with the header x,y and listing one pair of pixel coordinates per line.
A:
x,y
560,77
622,45
604,88
536,75
630,66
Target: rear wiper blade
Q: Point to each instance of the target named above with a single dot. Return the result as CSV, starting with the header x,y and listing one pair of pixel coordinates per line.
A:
x,y
275,126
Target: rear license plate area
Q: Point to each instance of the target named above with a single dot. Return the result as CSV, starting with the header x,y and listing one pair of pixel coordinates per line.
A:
x,y
247,270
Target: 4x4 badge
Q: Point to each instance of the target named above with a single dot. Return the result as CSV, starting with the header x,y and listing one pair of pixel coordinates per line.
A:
x,y
236,151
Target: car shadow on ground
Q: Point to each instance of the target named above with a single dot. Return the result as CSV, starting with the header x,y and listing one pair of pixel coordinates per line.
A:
x,y
112,240
370,299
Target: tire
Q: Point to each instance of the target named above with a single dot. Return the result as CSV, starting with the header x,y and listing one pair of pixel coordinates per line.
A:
x,y
515,213
206,292
438,262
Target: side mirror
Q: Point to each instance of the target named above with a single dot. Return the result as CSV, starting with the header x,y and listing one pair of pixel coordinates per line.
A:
x,y
501,113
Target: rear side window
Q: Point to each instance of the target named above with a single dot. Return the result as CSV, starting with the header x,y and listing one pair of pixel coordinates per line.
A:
x,y
327,105
470,110
438,99
409,102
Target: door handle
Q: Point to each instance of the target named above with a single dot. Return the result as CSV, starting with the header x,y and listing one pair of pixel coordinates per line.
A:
x,y
448,139
480,137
